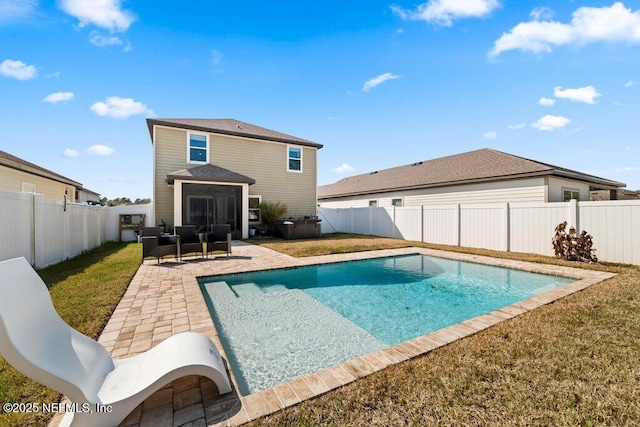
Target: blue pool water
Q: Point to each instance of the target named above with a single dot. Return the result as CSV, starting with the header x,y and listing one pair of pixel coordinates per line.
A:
x,y
278,325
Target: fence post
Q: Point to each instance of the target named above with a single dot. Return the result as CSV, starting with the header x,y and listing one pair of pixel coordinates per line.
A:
x,y
505,227
457,225
422,224
38,231
573,215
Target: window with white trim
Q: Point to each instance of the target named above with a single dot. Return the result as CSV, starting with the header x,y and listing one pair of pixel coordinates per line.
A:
x,y
568,195
254,208
373,203
294,159
198,150
396,202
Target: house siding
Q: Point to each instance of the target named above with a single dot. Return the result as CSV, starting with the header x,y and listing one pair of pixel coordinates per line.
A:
x,y
517,190
264,161
557,185
12,179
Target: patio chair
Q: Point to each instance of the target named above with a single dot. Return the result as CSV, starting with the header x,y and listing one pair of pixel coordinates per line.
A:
x,y
219,238
38,343
156,245
189,241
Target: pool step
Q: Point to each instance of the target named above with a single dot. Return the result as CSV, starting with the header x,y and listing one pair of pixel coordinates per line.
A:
x,y
246,290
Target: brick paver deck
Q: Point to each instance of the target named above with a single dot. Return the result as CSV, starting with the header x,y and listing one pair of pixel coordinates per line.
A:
x,y
165,299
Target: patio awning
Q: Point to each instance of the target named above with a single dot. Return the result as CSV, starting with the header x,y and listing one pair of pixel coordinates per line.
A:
x,y
209,173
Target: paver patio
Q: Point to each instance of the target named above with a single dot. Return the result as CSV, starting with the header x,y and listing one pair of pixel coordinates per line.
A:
x,y
165,299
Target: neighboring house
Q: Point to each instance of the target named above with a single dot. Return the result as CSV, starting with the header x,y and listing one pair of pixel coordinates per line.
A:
x,y
620,194
217,171
481,176
84,195
20,176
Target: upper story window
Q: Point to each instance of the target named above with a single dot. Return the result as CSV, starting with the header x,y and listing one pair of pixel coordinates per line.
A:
x,y
373,203
396,202
294,159
198,148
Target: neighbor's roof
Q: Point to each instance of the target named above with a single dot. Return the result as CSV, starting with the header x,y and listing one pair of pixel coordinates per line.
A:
x,y
474,166
17,163
209,173
230,127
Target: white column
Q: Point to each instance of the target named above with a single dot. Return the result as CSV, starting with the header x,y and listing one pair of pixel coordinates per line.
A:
x,y
177,204
245,211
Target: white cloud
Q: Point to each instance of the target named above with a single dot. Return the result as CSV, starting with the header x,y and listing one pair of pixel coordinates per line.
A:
x,y
587,94
17,70
550,122
630,83
517,126
72,154
106,14
541,14
588,25
100,150
371,83
627,169
343,168
100,40
444,12
16,9
490,135
56,97
547,102
120,108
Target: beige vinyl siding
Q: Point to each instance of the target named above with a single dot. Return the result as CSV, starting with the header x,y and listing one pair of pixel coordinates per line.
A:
x,y
557,185
12,179
170,152
520,190
264,161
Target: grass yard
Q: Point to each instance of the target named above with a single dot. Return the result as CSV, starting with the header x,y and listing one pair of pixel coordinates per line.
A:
x,y
573,362
85,290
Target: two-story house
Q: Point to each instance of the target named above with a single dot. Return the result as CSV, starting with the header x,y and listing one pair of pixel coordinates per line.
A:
x,y
217,171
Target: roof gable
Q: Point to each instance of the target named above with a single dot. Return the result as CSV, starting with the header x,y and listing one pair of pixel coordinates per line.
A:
x,y
209,173
474,166
230,127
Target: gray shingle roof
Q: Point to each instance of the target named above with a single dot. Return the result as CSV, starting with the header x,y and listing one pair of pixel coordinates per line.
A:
x,y
230,127
473,166
17,163
209,173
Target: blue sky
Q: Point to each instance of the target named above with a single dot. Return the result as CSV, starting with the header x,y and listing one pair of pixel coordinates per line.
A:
x,y
379,83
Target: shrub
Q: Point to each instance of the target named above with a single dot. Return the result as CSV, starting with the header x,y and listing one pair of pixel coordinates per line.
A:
x,y
571,246
270,212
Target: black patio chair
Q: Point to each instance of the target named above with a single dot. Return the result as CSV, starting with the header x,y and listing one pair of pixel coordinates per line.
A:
x,y
219,238
189,241
154,244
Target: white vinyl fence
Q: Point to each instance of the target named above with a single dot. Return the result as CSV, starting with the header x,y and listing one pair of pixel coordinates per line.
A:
x,y
46,231
517,227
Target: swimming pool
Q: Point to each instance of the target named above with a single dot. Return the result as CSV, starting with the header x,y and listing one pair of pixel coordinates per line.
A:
x,y
278,325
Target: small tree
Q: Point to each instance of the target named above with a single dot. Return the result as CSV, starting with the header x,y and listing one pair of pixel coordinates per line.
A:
x,y
572,247
270,212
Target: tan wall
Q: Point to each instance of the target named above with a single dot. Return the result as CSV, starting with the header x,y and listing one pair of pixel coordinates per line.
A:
x,y
266,162
520,190
11,182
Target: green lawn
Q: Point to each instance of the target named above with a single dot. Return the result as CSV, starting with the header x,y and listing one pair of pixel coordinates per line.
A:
x,y
85,290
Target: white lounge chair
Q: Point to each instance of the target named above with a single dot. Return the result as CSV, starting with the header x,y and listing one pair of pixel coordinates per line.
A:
x,y
38,343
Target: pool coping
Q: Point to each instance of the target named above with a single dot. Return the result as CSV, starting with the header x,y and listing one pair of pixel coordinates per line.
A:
x,y
290,393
